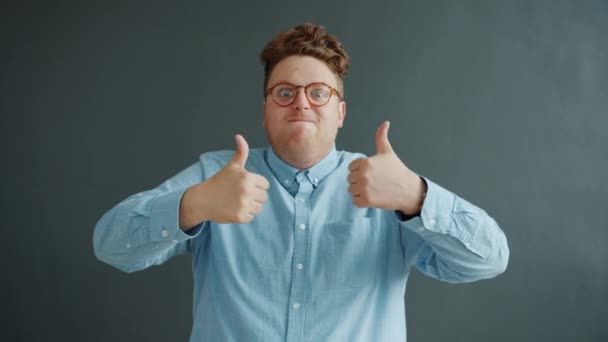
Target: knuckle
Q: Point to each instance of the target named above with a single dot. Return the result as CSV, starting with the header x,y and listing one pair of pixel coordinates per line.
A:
x,y
364,181
243,187
351,189
243,217
241,174
365,198
236,218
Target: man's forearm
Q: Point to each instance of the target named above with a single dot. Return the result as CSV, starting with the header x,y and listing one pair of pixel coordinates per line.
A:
x,y
191,209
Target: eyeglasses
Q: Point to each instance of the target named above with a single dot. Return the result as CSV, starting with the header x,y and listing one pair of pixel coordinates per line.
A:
x,y
318,93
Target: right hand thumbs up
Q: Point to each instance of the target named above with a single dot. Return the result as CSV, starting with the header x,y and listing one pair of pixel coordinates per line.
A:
x,y
233,195
242,151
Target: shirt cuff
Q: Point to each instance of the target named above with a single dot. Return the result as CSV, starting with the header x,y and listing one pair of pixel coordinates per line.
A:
x,y
164,224
436,212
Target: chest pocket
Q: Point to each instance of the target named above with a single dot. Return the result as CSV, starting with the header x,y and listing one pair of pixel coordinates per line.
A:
x,y
351,253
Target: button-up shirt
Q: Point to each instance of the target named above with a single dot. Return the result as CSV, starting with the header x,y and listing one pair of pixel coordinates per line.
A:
x,y
311,266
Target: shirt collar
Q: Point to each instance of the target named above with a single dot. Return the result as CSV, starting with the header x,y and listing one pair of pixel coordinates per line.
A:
x,y
286,173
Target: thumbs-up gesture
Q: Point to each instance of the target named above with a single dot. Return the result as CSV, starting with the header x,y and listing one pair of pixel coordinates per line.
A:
x,y
233,195
383,181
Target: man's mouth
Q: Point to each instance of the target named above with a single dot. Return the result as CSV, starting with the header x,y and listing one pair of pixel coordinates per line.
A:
x,y
300,120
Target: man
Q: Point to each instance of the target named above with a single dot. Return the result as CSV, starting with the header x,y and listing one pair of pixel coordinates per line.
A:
x,y
299,241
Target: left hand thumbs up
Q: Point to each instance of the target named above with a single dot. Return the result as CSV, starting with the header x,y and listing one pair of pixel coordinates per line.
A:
x,y
383,181
382,143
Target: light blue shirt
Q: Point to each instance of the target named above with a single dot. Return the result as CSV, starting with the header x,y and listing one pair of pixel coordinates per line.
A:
x,y
311,266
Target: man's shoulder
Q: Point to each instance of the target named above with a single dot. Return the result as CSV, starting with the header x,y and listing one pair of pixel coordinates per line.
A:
x,y
348,156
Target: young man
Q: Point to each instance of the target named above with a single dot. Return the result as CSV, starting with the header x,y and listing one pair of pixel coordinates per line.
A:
x,y
299,241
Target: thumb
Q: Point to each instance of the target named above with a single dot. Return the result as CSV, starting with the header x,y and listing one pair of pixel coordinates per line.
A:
x,y
382,143
242,151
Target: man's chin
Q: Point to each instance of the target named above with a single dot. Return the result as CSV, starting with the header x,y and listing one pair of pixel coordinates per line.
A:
x,y
299,134
302,139
296,143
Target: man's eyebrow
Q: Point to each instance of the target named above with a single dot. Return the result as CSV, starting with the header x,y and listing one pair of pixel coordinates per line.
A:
x,y
298,85
283,82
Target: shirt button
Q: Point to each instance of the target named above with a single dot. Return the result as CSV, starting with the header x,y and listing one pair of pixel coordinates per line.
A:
x,y
302,226
286,181
128,245
164,233
299,266
316,180
296,306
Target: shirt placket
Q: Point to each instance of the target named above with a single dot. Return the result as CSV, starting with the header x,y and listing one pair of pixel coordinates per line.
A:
x,y
299,262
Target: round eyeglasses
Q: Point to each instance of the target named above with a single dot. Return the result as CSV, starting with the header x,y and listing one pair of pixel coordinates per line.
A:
x,y
318,93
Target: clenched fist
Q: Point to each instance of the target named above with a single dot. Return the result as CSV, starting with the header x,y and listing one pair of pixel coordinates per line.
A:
x,y
233,195
383,181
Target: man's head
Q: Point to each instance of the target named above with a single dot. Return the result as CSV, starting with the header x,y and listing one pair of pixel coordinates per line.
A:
x,y
302,123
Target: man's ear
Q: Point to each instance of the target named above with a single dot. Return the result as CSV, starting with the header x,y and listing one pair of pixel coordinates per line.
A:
x,y
264,113
341,113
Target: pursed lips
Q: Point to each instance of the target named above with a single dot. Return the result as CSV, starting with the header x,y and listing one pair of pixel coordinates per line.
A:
x,y
300,120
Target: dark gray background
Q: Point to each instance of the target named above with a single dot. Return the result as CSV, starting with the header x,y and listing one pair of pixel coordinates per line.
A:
x,y
504,103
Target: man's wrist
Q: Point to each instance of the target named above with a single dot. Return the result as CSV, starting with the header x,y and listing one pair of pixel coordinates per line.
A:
x,y
191,213
409,212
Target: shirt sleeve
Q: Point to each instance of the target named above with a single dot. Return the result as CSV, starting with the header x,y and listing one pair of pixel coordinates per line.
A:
x,y
143,230
453,240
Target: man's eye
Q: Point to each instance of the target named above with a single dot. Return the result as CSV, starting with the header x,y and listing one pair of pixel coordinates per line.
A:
x,y
319,93
285,92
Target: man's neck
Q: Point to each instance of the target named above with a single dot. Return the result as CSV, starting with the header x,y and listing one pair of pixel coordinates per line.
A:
x,y
302,158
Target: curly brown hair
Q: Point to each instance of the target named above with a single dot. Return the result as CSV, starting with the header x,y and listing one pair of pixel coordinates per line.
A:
x,y
306,40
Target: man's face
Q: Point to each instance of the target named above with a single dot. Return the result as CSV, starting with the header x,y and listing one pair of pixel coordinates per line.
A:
x,y
302,128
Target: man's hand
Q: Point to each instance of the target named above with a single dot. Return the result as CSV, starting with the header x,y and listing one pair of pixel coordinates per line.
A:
x,y
233,195
383,181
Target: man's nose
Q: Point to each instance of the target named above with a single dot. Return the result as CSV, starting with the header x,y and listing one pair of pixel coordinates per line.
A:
x,y
301,101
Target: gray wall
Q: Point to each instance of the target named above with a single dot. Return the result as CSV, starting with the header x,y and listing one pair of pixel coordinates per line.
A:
x,y
504,103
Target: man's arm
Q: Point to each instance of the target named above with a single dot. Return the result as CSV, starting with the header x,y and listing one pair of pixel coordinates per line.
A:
x,y
151,227
443,235
143,230
453,240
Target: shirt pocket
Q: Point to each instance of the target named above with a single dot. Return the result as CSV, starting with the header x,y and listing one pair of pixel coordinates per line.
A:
x,y
349,255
